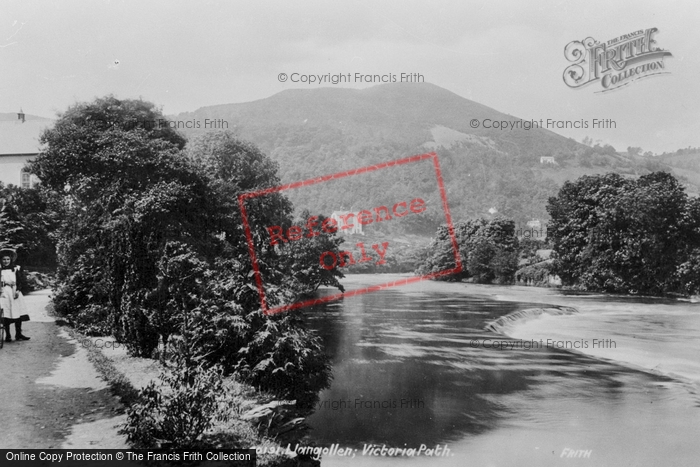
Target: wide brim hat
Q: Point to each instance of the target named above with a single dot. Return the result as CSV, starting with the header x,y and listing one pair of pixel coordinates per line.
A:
x,y
8,252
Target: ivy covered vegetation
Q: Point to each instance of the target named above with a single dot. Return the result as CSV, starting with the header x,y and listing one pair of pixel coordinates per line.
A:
x,y
624,235
151,250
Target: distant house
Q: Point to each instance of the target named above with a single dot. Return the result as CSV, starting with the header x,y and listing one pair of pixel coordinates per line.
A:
x,y
19,144
544,255
350,219
547,160
493,211
535,229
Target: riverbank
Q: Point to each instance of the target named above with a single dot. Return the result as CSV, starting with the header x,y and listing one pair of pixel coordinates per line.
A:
x,y
513,293
127,375
71,391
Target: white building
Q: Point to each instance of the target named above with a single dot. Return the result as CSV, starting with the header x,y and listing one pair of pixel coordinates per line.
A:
x,y
19,143
534,224
351,221
547,160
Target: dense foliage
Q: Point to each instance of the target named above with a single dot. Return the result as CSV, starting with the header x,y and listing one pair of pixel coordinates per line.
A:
x,y
488,250
151,246
176,413
537,274
29,218
623,235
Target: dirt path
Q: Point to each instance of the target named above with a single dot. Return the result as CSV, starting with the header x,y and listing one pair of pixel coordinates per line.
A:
x,y
52,396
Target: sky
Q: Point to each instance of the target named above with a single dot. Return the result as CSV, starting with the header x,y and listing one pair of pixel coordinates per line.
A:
x,y
183,55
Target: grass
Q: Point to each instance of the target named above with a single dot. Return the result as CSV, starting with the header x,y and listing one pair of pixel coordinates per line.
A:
x,y
231,432
118,383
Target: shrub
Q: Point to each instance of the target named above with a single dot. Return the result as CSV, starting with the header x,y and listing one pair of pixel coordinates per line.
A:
x,y
176,413
689,273
535,274
285,359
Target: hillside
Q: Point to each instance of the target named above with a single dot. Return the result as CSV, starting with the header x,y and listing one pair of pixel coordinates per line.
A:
x,y
312,132
686,165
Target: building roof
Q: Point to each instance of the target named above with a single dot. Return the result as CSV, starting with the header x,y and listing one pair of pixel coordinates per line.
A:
x,y
544,254
21,138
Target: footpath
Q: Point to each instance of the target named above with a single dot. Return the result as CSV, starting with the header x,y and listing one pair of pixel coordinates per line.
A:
x,y
52,396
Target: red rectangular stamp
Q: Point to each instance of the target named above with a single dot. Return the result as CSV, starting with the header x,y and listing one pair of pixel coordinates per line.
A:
x,y
409,198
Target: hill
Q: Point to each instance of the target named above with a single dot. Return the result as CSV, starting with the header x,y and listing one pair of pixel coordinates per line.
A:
x,y
686,166
313,132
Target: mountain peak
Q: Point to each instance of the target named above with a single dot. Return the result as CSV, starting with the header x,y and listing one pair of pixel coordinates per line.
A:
x,y
401,112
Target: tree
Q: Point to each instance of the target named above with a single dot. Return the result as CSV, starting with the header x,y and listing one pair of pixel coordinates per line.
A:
x,y
127,190
488,249
574,215
300,260
12,232
236,167
92,144
152,239
621,235
633,151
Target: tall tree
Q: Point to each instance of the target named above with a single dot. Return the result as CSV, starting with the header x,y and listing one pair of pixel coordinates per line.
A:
x,y
127,191
575,214
487,248
152,247
622,235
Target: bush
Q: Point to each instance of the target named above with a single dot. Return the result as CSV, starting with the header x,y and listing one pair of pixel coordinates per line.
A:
x,y
535,274
285,359
176,413
272,353
689,274
504,264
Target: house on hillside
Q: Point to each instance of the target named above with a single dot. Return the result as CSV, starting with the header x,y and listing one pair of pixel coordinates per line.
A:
x,y
19,144
534,224
349,218
548,160
536,229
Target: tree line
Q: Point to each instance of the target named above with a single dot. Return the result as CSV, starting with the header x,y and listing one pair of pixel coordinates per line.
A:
x,y
608,233
487,248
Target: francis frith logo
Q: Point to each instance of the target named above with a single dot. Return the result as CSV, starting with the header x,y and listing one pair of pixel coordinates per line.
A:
x,y
615,63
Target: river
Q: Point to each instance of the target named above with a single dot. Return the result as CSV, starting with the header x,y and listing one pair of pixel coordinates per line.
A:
x,y
414,367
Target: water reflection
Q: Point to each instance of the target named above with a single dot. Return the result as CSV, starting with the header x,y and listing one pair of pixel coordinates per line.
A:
x,y
394,348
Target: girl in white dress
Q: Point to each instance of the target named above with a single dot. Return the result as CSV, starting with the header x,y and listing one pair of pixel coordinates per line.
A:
x,y
12,281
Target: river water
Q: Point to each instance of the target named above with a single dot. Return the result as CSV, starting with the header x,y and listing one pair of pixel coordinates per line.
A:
x,y
615,383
